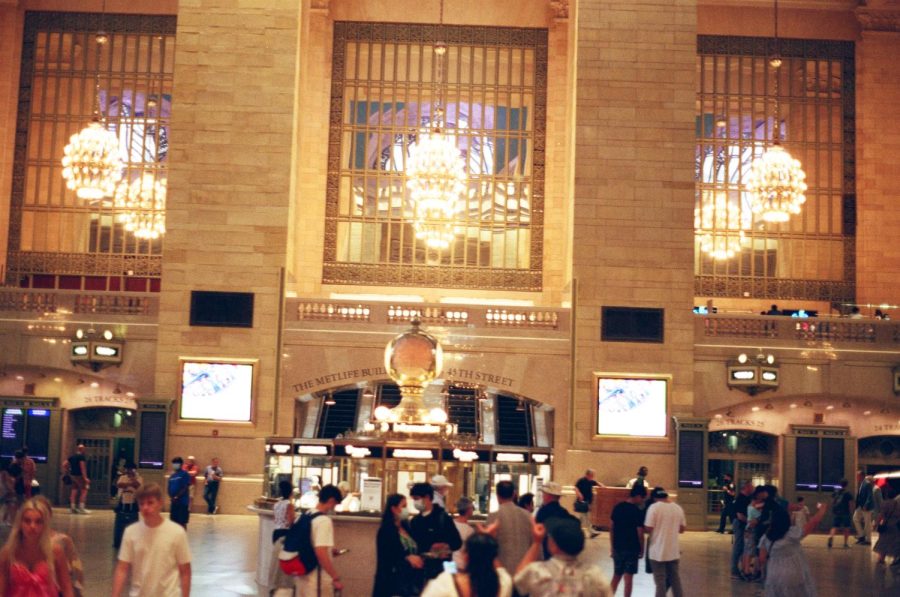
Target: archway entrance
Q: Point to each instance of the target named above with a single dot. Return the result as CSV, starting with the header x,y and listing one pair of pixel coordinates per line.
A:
x,y
108,435
745,455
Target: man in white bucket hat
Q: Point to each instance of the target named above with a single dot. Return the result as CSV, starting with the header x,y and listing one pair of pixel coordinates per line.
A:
x,y
441,486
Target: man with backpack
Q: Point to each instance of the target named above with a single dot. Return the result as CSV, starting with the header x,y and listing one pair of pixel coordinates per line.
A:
x,y
563,575
308,549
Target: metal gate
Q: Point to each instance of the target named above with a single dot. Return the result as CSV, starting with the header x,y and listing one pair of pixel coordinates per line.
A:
x,y
98,454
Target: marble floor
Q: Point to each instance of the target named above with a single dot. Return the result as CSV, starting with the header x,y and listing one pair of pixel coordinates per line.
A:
x,y
224,551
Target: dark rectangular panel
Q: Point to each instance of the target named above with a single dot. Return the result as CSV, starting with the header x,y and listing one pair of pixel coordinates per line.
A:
x,y
690,459
632,324
37,434
12,431
153,440
222,309
832,463
807,464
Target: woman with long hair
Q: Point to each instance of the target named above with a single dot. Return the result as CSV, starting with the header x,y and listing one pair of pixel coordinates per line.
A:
x,y
787,570
398,568
76,568
31,565
482,577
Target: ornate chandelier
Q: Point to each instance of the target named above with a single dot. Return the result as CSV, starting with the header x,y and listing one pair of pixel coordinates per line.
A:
x,y
776,181
91,162
435,170
718,226
143,206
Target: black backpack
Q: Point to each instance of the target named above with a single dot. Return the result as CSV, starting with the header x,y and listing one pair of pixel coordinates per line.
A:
x,y
299,540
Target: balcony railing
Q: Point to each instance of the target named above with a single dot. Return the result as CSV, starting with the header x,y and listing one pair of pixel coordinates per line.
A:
x,y
791,330
64,303
385,313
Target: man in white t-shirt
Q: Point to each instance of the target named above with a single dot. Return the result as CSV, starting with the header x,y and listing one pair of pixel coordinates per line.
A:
x,y
155,551
324,579
664,522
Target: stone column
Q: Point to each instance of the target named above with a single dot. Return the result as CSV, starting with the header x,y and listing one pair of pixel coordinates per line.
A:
x,y
877,148
228,205
633,212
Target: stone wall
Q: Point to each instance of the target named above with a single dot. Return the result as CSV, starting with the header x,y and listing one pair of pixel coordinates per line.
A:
x,y
633,205
228,202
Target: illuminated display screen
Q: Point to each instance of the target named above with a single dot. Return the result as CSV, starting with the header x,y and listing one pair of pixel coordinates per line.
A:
x,y
631,407
12,431
216,391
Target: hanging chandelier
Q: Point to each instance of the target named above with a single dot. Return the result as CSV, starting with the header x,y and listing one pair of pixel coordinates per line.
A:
x,y
142,204
718,226
91,162
435,170
776,181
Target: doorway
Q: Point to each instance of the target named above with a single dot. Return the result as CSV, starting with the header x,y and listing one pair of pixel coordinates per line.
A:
x,y
746,456
108,435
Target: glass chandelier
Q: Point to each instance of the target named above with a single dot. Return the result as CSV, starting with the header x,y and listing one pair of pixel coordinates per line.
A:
x,y
776,181
91,162
436,172
718,226
143,206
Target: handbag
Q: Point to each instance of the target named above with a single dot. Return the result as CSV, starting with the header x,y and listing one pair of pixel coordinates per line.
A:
x,y
66,479
582,507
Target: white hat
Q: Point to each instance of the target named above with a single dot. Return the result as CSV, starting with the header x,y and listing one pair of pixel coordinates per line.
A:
x,y
440,481
552,488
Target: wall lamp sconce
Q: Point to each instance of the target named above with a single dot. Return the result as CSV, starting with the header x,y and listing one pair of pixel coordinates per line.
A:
x,y
96,350
753,375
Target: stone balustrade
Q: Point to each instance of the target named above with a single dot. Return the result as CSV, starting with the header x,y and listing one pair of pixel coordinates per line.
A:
x,y
792,330
62,303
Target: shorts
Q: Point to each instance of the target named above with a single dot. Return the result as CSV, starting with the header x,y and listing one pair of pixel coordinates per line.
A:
x,y
625,562
78,482
841,521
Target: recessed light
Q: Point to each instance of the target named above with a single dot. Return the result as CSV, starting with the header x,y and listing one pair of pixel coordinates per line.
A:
x,y
94,384
129,394
57,379
829,407
20,378
793,405
867,412
719,416
755,409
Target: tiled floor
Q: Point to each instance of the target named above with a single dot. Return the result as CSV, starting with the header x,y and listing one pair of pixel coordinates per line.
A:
x,y
224,550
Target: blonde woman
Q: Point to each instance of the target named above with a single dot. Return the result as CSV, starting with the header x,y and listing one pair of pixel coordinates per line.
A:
x,y
30,564
76,569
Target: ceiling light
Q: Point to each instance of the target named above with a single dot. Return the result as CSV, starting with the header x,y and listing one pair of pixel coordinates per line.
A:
x,y
142,206
329,399
742,358
867,412
793,405
20,378
129,394
755,409
57,379
107,335
94,384
829,407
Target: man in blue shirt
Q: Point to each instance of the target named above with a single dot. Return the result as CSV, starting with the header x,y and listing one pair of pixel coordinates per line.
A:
x,y
179,486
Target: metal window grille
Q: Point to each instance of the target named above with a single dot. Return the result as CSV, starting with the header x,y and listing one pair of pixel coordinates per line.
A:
x,y
811,256
52,230
383,89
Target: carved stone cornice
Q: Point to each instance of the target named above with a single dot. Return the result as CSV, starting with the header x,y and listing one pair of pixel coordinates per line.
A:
x,y
320,5
879,15
560,8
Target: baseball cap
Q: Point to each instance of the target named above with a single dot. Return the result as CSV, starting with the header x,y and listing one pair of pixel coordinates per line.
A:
x,y
440,481
552,488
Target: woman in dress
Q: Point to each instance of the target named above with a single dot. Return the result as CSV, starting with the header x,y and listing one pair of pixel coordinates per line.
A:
x,y
787,570
398,569
30,564
76,568
482,576
888,519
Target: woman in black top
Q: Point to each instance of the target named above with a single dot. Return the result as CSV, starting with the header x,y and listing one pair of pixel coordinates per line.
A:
x,y
398,569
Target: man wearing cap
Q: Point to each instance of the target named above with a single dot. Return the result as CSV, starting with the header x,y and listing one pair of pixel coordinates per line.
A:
x,y
563,573
664,523
441,486
551,510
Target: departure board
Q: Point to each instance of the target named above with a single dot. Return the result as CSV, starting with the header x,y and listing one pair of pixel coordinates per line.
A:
x,y
12,431
690,459
153,440
37,434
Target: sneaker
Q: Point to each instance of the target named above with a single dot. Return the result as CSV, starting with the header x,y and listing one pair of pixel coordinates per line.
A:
x,y
73,509
846,546
830,541
83,511
216,511
860,541
864,542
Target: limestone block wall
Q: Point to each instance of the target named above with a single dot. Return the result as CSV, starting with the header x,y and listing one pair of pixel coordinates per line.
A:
x,y
633,206
877,167
228,203
11,20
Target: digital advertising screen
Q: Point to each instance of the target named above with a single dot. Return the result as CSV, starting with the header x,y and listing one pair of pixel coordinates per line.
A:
x,y
631,406
216,391
37,436
153,440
